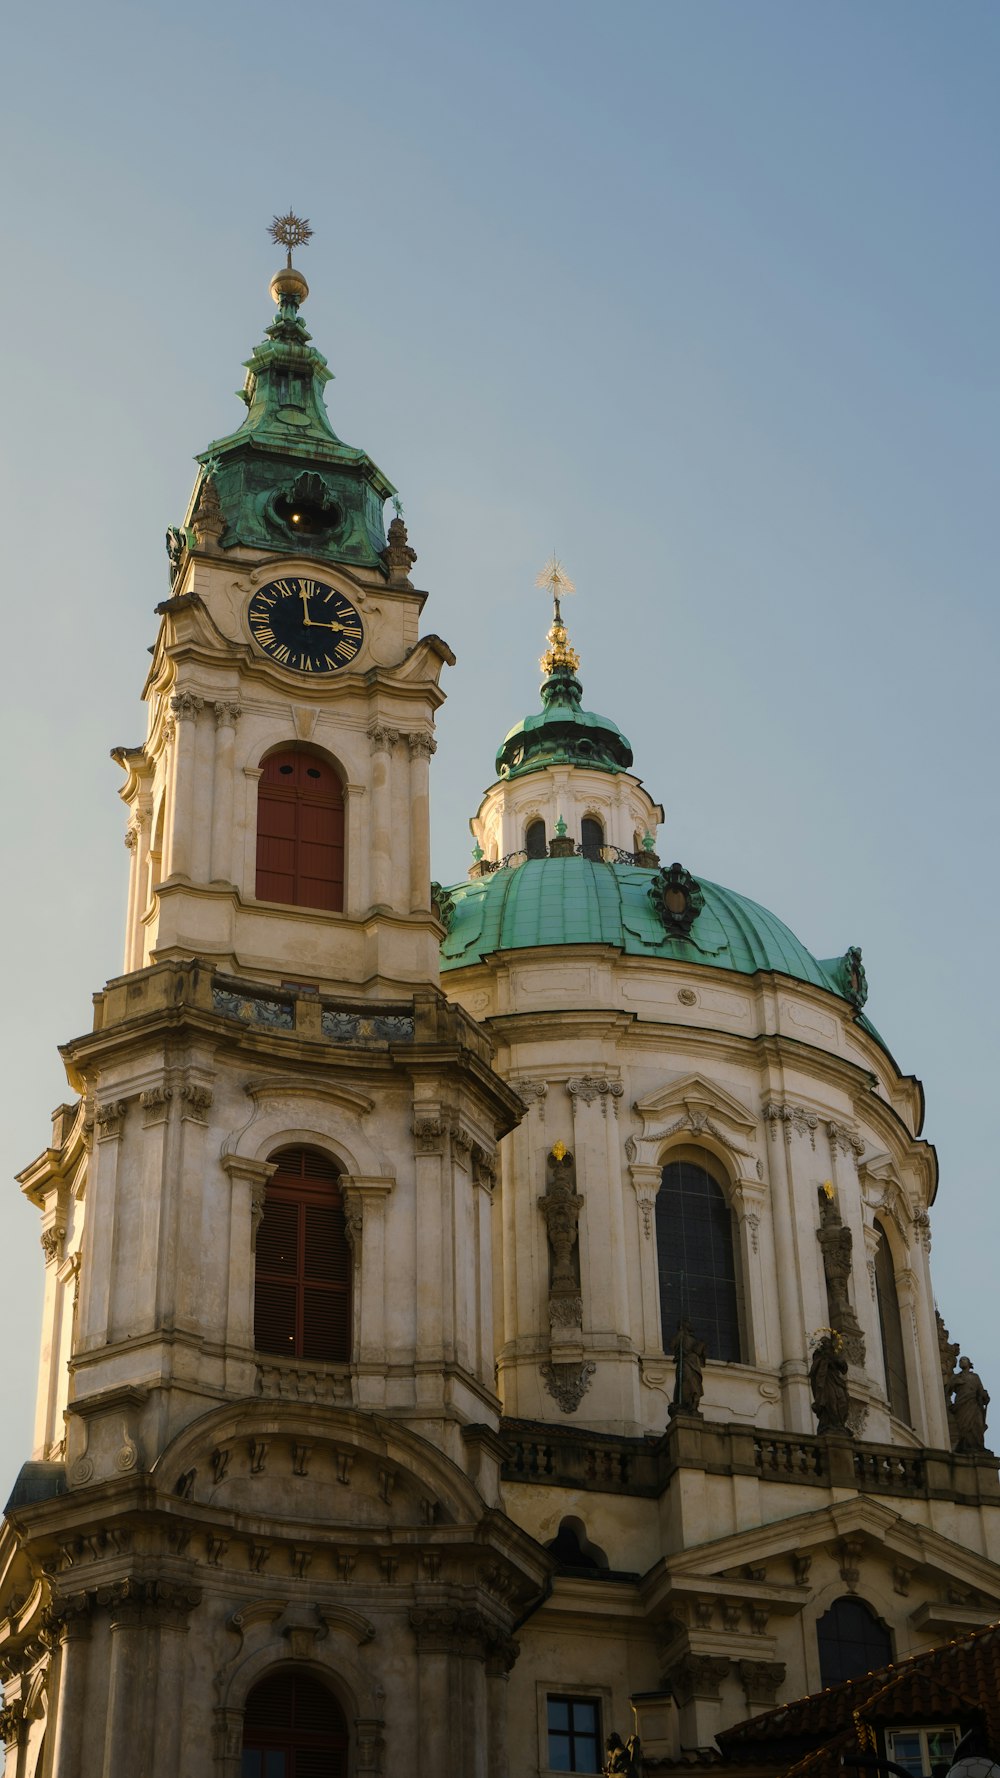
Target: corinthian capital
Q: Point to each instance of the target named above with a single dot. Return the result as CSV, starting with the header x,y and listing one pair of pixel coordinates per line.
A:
x,y
421,744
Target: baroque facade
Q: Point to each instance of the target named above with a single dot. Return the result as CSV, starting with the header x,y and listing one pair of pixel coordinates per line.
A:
x,y
437,1279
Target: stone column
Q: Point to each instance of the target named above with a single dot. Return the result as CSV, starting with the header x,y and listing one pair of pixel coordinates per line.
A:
x,y
12,1733
171,1609
434,1630
138,851
186,708
365,1201
791,1320
936,1429
126,1728
500,1659
646,1183
421,745
227,715
248,1182
102,1188
383,740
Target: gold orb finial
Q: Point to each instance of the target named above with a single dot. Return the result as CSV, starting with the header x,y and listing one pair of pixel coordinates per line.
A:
x,y
289,231
560,652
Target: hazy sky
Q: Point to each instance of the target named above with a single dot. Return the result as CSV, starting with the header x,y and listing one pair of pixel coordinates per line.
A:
x,y
701,295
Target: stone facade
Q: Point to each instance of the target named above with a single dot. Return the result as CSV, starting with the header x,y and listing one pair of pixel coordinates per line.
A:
x,y
486,1503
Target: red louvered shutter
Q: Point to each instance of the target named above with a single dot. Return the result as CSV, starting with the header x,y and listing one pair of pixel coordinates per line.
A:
x,y
293,1728
302,1301
300,832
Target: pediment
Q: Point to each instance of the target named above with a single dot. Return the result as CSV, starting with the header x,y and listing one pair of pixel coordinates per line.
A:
x,y
768,1560
698,1098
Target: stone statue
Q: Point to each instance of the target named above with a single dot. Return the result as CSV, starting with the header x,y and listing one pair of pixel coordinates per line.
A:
x,y
621,1758
831,1403
969,1404
836,1242
689,1356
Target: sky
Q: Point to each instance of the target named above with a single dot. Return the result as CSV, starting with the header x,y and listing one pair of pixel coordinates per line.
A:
x,y
700,294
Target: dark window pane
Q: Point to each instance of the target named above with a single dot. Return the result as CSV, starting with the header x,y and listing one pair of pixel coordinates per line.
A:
x,y
534,840
891,1329
694,1243
851,1641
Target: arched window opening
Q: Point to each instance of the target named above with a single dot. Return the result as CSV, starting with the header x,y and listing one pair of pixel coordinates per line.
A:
x,y
534,840
891,1328
697,1267
851,1641
302,1278
293,1728
300,831
591,838
573,1549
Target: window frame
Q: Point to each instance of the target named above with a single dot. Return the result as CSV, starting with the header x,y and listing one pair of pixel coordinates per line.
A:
x,y
595,1693
300,751
325,1193
694,1155
923,1730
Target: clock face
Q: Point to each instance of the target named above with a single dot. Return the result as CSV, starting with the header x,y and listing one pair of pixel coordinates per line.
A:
x,y
305,625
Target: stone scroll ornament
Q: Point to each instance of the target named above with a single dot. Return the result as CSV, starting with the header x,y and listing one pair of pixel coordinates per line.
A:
x,y
677,898
837,1245
560,1205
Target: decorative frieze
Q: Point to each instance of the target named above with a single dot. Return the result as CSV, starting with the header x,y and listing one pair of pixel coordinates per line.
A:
x,y
589,1087
382,738
110,1118
789,1118
52,1241
186,706
760,1681
845,1140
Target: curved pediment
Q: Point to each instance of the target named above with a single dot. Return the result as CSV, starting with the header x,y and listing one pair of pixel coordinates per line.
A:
x,y
315,1464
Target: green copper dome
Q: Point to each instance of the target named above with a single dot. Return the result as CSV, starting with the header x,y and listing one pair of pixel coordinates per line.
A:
x,y
574,901
563,734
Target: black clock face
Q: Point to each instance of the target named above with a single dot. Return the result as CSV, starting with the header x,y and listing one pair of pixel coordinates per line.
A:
x,y
305,625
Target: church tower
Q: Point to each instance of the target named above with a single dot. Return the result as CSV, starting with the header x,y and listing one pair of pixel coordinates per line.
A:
x,y
261,1515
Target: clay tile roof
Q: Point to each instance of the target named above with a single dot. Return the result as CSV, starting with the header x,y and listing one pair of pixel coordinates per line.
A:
x,y
958,1681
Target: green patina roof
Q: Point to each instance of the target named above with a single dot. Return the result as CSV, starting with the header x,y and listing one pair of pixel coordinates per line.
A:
x,y
574,901
562,734
286,454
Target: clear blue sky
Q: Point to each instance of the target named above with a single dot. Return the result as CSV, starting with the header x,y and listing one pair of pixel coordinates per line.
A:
x,y
701,295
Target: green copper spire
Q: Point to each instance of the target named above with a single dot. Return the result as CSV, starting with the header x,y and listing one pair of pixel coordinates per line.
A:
x,y
562,733
285,482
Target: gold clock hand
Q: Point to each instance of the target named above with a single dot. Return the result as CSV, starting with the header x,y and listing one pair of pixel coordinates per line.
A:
x,y
306,619
320,626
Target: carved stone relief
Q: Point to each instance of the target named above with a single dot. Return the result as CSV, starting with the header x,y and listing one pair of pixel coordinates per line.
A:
x,y
560,1205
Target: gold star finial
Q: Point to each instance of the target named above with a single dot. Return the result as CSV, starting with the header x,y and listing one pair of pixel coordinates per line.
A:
x,y
290,231
560,652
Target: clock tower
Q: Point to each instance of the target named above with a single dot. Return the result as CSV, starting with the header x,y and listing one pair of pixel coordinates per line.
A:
x,y
263,1502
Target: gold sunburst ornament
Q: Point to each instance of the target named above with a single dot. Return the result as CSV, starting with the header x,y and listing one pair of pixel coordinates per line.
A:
x,y
560,652
290,231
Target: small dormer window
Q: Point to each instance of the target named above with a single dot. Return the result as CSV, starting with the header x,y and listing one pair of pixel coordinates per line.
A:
x,y
592,838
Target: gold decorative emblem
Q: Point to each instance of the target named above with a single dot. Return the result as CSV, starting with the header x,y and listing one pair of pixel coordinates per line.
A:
x,y
290,231
560,652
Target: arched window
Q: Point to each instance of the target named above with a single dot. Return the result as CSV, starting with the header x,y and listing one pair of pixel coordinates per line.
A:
x,y
302,1276
293,1728
851,1641
694,1247
591,837
300,831
534,840
891,1329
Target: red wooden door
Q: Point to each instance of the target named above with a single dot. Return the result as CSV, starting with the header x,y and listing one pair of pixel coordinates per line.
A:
x,y
293,1728
302,1277
300,831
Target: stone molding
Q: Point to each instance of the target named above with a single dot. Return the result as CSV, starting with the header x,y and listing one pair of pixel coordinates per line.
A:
x,y
462,1630
255,1174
